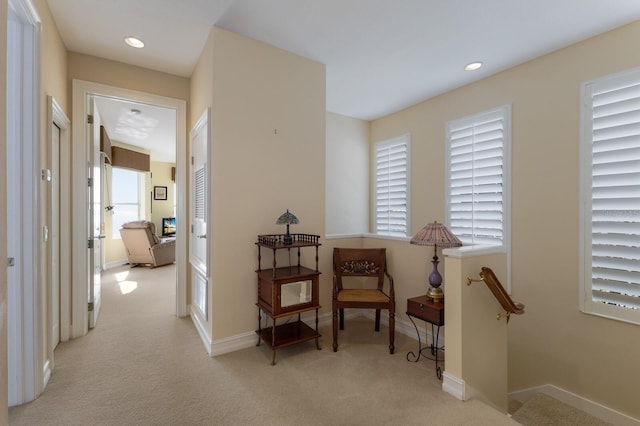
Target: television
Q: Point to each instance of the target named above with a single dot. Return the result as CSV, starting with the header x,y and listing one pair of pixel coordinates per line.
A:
x,y
168,226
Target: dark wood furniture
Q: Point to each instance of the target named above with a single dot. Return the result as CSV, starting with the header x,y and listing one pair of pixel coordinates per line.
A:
x,y
425,309
285,291
367,264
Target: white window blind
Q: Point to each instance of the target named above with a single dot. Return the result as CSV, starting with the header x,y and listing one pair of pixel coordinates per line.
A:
x,y
611,196
391,165
478,176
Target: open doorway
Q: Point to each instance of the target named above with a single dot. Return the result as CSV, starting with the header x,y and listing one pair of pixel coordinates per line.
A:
x,y
142,185
89,95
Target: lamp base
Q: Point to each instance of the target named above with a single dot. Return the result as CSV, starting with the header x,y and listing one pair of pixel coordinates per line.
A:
x,y
436,294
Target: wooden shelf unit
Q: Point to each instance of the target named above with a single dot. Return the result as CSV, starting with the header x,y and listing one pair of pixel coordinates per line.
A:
x,y
286,291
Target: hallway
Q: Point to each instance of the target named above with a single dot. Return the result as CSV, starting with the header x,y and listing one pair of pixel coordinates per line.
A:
x,y
120,369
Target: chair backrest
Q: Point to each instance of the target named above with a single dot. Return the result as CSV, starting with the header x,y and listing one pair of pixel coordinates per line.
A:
x,y
356,262
138,236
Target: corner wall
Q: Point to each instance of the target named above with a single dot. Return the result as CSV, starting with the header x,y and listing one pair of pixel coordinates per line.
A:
x,y
267,155
553,343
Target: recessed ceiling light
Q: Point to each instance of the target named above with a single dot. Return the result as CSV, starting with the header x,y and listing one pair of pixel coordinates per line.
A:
x,y
134,42
473,66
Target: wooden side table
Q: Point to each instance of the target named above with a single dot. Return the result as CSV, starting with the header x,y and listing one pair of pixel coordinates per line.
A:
x,y
425,309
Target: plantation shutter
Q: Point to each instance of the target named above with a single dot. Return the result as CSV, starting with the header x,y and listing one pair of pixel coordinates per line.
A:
x,y
615,190
391,186
476,177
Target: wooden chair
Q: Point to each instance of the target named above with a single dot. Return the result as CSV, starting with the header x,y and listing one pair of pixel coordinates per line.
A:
x,y
367,264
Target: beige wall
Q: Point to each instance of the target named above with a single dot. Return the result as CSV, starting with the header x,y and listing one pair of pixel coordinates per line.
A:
x,y
553,343
268,155
54,84
161,176
4,397
118,74
347,175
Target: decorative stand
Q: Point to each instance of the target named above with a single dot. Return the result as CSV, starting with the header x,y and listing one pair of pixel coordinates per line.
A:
x,y
425,309
286,291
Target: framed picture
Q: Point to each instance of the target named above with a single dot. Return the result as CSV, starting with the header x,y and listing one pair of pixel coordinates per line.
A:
x,y
159,192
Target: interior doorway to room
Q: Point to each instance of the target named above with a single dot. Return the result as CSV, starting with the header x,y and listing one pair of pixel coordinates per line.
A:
x,y
128,118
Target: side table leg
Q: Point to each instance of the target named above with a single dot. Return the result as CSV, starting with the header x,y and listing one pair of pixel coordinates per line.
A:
x,y
411,354
434,350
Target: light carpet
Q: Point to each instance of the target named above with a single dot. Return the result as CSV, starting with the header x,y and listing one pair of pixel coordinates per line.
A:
x,y
543,410
143,366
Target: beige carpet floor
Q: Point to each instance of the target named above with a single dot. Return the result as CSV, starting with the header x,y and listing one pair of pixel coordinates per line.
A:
x,y
143,366
543,410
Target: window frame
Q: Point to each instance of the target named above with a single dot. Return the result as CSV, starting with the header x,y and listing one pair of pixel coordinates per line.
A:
x,y
115,233
385,144
587,303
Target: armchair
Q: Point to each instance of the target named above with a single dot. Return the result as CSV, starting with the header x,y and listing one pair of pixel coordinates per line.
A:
x,y
143,245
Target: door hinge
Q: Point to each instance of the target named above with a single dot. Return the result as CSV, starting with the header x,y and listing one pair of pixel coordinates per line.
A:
x,y
90,244
193,161
90,306
89,119
11,261
90,182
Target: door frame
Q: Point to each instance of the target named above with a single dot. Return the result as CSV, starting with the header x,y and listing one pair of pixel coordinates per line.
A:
x,y
55,115
25,326
81,91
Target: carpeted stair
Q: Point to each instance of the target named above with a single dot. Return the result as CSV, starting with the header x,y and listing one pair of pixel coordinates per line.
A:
x,y
543,410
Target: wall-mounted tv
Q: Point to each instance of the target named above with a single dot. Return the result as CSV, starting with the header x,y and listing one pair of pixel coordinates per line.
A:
x,y
168,226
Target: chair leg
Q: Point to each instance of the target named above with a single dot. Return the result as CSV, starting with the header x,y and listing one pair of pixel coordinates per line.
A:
x,y
377,319
341,318
392,331
335,330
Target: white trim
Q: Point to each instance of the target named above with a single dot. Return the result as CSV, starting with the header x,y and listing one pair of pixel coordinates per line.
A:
x,y
115,264
46,372
454,386
591,407
25,324
472,251
585,289
249,339
56,116
81,90
201,327
233,343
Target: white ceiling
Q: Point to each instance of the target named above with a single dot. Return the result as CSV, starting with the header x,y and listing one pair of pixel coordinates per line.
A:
x,y
380,55
150,127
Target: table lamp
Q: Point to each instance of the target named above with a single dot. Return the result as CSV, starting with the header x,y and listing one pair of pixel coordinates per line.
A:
x,y
287,218
437,235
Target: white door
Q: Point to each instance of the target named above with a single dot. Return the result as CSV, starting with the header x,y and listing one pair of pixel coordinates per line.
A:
x,y
199,208
94,212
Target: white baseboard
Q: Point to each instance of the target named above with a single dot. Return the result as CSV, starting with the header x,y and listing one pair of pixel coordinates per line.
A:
x,y
200,324
454,386
405,327
249,339
595,409
114,264
46,373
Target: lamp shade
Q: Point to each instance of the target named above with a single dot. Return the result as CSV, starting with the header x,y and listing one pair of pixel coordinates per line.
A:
x,y
287,218
436,234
